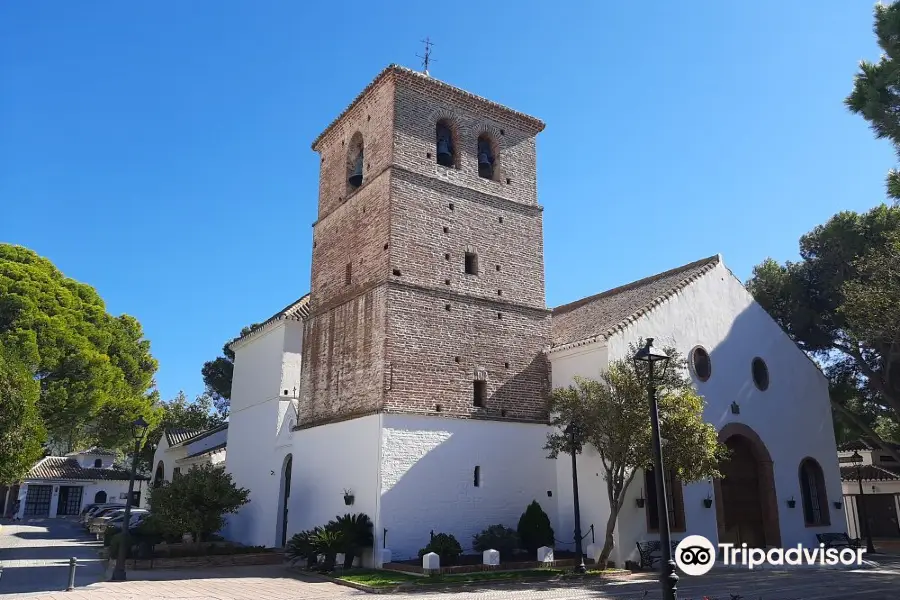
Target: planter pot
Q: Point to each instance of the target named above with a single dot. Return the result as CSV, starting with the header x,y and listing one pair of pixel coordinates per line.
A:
x,y
640,502
838,505
348,499
791,503
707,502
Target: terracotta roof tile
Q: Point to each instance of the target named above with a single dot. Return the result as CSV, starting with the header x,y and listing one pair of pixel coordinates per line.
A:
x,y
869,473
93,450
180,434
295,311
597,317
536,124
64,467
863,445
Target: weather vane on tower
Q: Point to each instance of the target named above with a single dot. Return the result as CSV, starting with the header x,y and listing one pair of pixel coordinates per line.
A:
x,y
426,60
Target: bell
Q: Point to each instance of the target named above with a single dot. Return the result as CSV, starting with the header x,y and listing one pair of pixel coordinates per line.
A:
x,y
356,176
444,153
485,165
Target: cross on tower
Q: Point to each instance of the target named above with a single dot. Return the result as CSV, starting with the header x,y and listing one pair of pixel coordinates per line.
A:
x,y
426,60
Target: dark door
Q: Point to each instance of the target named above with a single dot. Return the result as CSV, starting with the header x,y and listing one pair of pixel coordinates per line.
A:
x,y
69,500
881,514
37,500
287,494
741,499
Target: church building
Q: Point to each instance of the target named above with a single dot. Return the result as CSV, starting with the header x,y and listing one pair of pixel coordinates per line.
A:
x,y
411,383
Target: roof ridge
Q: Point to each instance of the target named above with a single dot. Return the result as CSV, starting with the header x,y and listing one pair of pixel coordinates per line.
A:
x,y
564,308
278,316
396,68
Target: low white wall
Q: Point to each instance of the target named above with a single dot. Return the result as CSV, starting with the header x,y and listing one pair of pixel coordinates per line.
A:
x,y
427,478
327,460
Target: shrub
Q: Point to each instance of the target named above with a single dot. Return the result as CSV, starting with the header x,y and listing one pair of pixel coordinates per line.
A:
x,y
356,534
497,537
445,546
534,528
302,546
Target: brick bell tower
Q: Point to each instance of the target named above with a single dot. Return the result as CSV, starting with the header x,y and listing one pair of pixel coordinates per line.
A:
x,y
427,287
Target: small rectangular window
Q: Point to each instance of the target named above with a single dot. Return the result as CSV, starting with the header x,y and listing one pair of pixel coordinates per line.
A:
x,y
348,274
471,263
477,477
480,395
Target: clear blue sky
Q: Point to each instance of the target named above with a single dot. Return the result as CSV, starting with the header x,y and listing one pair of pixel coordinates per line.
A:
x,y
160,151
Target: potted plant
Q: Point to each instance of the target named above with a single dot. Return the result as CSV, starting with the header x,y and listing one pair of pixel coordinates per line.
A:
x,y
838,504
348,497
640,499
707,502
791,503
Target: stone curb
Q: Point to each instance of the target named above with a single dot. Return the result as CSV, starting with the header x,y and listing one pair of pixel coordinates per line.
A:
x,y
618,576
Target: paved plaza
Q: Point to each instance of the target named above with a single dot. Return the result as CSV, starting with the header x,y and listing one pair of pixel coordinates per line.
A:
x,y
35,560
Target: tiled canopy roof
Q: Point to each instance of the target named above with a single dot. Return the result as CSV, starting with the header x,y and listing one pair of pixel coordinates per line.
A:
x,y
212,450
295,311
597,317
863,445
180,434
93,450
869,473
63,467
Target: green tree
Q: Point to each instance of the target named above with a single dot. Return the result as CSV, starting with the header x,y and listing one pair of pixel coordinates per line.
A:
x,y
21,429
94,370
613,415
197,501
876,95
841,304
179,413
218,373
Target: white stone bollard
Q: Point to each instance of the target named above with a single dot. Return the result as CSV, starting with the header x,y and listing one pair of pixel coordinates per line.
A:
x,y
545,554
490,558
595,554
431,563
339,559
385,555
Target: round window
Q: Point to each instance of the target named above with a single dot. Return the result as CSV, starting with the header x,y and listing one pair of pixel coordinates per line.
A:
x,y
760,373
701,363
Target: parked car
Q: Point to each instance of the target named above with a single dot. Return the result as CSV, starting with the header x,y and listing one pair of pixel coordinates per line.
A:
x,y
86,515
118,513
115,522
102,512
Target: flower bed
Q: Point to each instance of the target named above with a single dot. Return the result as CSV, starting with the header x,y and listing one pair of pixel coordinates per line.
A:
x,y
213,560
470,563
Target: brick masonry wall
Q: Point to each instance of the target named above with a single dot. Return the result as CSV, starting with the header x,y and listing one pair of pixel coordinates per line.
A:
x,y
419,107
373,117
343,357
378,333
510,253
425,340
356,232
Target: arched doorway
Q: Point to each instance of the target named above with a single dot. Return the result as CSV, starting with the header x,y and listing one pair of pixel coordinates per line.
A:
x,y
746,504
100,497
160,475
283,499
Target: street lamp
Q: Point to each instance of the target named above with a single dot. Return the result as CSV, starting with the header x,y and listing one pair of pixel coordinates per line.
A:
x,y
571,431
857,460
652,358
138,427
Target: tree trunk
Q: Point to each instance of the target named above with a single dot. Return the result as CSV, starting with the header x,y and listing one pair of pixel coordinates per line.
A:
x,y
608,541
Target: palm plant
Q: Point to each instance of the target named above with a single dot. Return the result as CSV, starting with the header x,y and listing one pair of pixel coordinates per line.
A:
x,y
357,534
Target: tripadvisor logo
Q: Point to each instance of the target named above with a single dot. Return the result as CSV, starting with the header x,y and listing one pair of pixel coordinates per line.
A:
x,y
696,555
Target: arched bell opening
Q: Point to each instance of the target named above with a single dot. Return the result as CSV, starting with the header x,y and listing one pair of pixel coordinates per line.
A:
x,y
487,157
355,162
446,144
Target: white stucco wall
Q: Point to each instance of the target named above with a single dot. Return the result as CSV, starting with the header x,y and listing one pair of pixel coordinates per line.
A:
x,y
718,313
257,369
327,460
792,417
206,442
427,478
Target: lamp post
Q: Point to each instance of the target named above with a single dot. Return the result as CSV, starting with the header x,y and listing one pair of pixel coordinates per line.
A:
x,y
653,357
571,430
861,502
138,427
